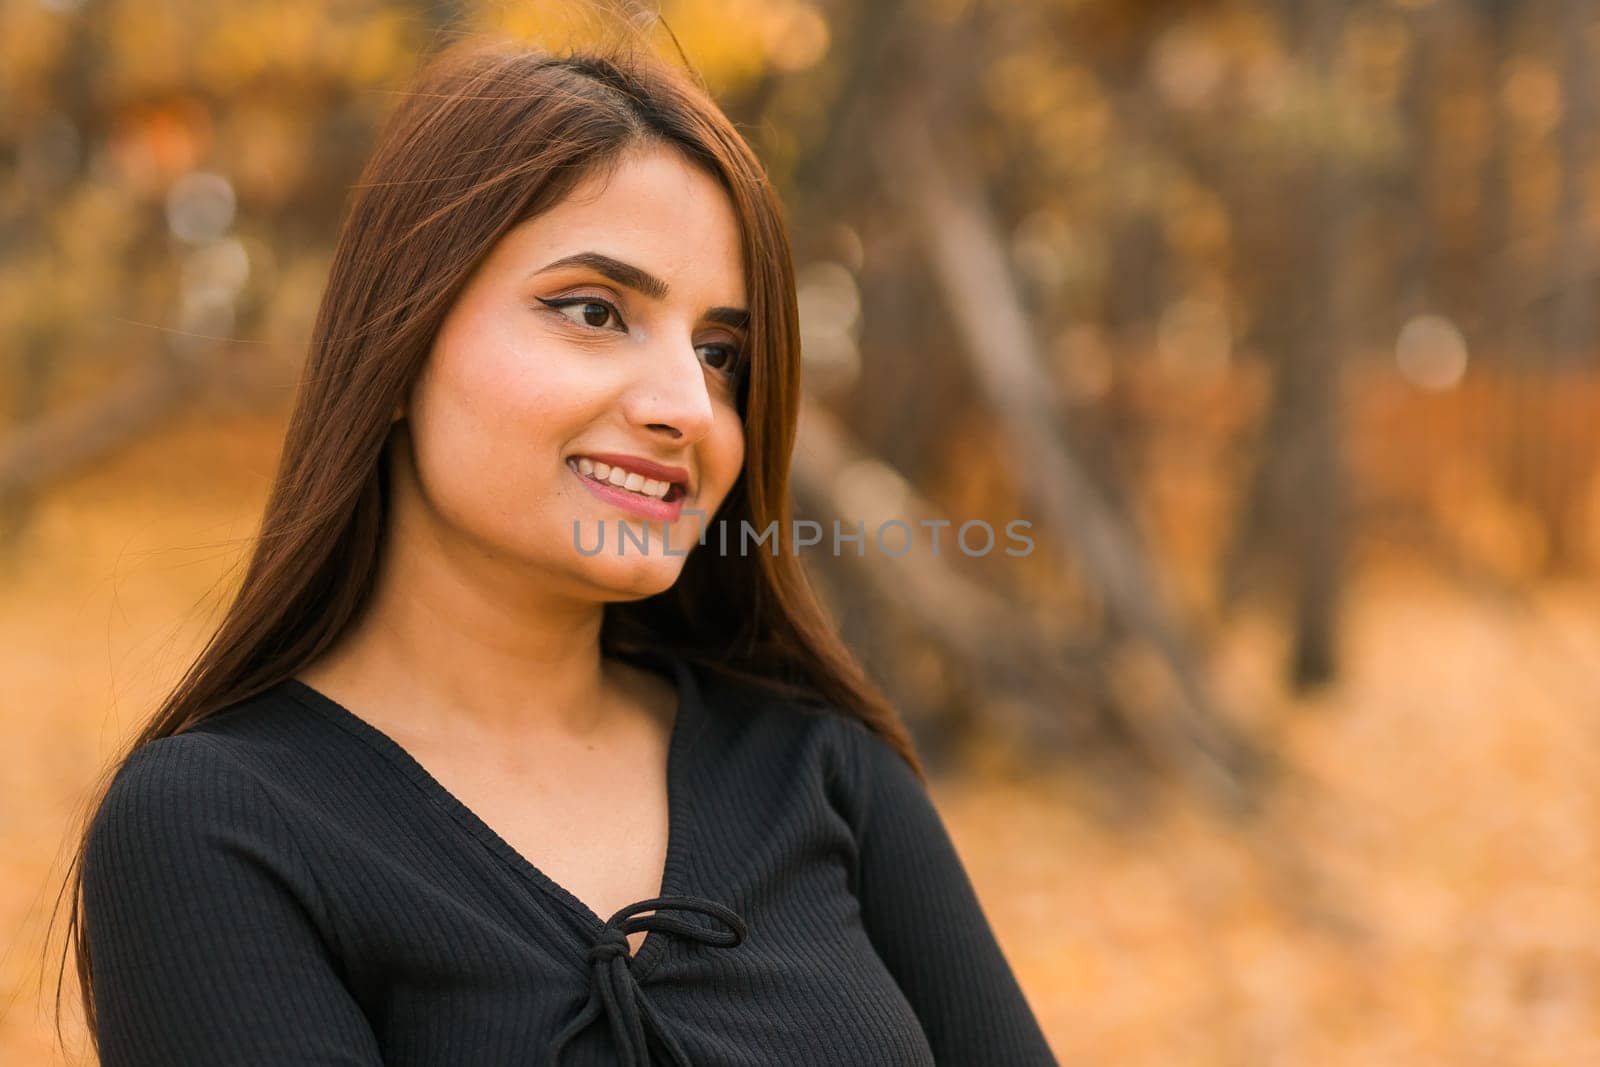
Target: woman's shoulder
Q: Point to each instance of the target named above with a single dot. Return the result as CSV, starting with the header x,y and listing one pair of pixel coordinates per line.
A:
x,y
214,769
171,804
173,779
186,842
755,704
779,728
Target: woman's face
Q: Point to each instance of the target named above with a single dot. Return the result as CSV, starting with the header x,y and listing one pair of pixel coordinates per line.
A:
x,y
609,326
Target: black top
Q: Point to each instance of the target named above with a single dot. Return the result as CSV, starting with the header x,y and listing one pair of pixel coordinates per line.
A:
x,y
284,884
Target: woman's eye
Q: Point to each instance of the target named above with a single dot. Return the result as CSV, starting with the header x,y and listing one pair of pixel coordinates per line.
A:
x,y
591,312
729,357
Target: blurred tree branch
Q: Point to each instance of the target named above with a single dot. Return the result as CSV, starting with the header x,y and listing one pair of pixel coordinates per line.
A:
x,y
966,256
1055,695
57,445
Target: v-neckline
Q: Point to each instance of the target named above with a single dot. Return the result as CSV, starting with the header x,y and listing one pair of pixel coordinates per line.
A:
x,y
678,809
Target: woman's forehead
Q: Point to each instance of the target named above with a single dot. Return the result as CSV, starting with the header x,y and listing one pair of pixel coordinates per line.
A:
x,y
655,211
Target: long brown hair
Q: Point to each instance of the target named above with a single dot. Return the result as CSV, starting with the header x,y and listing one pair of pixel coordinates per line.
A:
x,y
491,133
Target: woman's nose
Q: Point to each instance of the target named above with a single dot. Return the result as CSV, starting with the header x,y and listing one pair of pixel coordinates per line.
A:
x,y
672,395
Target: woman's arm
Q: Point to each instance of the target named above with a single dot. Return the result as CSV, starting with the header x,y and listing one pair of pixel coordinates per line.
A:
x,y
924,918
205,925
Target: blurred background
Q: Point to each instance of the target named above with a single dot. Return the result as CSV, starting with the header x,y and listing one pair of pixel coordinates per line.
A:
x,y
1277,320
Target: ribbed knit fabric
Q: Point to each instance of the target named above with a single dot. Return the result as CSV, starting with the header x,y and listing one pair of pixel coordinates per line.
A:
x,y
285,885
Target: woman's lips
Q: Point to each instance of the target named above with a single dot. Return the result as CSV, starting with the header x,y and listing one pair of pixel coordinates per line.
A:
x,y
633,503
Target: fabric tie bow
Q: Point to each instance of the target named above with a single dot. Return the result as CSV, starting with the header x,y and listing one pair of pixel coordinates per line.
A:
x,y
614,990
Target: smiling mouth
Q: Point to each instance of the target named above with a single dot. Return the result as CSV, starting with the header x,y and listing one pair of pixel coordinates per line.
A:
x,y
629,482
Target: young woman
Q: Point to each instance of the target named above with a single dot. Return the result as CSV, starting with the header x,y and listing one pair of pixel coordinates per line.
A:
x,y
450,787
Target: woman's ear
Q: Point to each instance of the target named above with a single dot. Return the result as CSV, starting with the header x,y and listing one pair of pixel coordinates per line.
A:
x,y
399,413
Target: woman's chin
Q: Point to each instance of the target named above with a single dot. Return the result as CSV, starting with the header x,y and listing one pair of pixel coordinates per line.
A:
x,y
634,577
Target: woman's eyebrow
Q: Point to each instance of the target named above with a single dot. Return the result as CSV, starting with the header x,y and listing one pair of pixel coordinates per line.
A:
x,y
738,318
640,280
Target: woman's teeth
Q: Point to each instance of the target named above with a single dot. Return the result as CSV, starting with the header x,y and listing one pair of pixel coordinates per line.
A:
x,y
631,481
